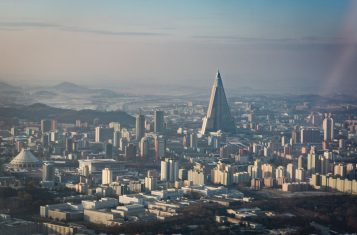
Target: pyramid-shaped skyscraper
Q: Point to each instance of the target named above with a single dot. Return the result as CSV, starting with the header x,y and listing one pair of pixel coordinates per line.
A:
x,y
218,114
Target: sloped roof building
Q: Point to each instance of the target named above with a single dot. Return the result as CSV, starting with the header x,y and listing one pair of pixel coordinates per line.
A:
x,y
25,159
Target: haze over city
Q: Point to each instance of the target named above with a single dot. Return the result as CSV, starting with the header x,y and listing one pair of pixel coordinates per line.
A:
x,y
271,46
178,117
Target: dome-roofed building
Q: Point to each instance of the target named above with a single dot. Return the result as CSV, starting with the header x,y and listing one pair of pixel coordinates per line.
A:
x,y
25,159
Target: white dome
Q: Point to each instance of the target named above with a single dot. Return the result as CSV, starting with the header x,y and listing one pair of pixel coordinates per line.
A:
x,y
25,159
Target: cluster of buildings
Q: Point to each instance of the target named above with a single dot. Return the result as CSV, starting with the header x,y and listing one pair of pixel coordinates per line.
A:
x,y
156,205
330,182
150,171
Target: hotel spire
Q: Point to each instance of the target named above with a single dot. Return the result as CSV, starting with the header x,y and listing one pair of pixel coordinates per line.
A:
x,y
218,114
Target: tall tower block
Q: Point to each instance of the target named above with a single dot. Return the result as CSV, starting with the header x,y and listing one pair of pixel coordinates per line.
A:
x,y
218,114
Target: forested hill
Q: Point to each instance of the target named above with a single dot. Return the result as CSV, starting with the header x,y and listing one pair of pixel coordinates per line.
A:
x,y
36,112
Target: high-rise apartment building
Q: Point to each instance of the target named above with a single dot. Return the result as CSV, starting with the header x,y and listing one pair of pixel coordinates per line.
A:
x,y
160,147
115,126
280,172
103,134
140,126
145,146
107,176
193,141
45,125
300,175
328,127
267,171
290,172
130,151
150,183
301,162
310,135
313,162
48,172
159,121
169,170
197,177
53,124
116,139
256,171
340,170
222,174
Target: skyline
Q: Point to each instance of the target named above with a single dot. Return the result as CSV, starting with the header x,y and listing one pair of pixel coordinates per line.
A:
x,y
178,117
276,46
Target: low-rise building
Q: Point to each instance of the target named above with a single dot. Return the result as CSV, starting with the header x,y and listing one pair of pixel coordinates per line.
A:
x,y
164,210
100,204
62,212
130,210
137,199
48,228
104,217
244,212
168,194
295,187
15,226
207,191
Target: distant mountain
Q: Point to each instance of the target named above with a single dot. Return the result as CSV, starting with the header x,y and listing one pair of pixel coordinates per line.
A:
x,y
38,111
44,93
37,106
68,87
319,99
105,93
7,87
10,94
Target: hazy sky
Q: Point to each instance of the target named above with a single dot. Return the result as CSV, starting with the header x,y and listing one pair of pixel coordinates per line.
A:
x,y
267,44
